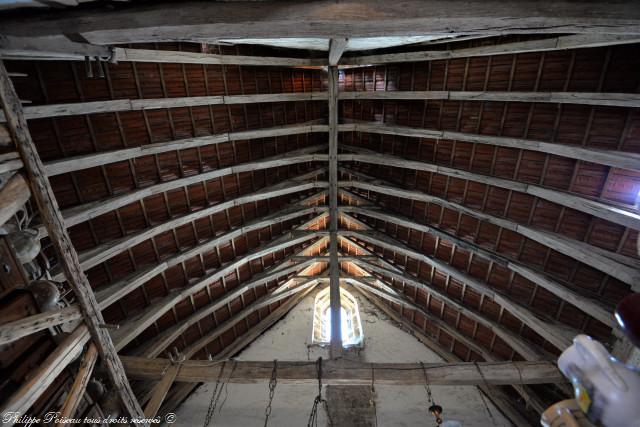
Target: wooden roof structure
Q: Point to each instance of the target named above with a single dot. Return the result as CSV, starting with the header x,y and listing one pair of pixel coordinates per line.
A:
x,y
481,190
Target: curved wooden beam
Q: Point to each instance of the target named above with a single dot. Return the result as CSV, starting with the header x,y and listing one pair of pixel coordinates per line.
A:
x,y
598,209
155,346
579,41
269,299
132,327
617,159
517,343
118,105
631,100
588,305
87,211
108,250
560,336
85,161
562,244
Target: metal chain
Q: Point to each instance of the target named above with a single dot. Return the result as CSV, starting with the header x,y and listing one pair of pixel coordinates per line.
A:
x,y
484,402
426,384
313,416
272,390
373,396
214,398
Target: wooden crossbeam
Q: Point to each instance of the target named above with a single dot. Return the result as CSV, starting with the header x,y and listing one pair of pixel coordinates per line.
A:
x,y
207,22
118,105
583,98
67,256
499,398
581,252
343,372
579,41
618,159
617,215
590,306
182,390
85,161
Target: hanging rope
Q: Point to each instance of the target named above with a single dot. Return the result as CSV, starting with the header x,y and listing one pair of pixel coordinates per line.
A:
x,y
217,391
313,416
484,402
272,390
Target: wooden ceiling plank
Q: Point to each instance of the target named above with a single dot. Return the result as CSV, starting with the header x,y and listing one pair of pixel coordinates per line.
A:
x,y
67,256
588,305
618,159
178,57
86,161
108,250
154,347
576,41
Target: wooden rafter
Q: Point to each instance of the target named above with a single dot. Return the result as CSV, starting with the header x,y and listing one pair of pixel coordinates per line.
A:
x,y
581,252
618,159
578,41
557,334
119,105
590,306
67,256
617,215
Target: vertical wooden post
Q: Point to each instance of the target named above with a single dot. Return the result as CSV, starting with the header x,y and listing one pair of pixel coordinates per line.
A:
x,y
334,266
67,256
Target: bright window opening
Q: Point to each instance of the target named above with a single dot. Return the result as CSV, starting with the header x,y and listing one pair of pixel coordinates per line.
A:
x,y
350,319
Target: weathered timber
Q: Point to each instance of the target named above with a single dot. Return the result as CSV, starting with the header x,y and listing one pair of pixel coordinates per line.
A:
x,y
67,256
